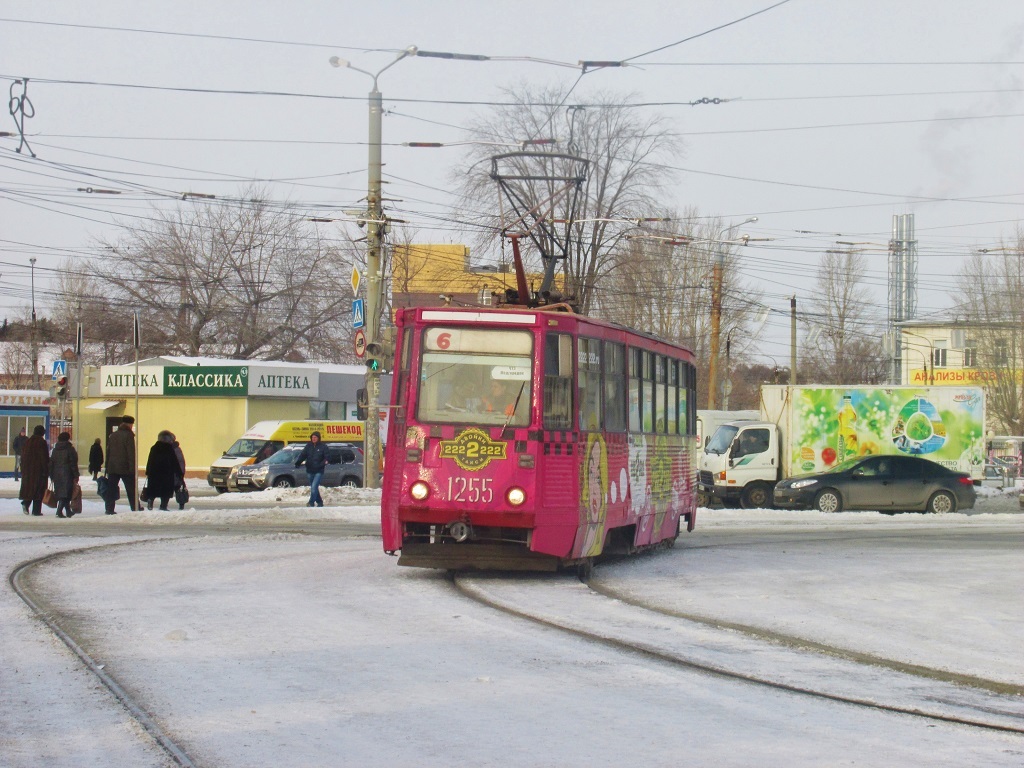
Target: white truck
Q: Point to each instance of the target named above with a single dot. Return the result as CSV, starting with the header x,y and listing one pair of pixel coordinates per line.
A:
x,y
708,421
810,428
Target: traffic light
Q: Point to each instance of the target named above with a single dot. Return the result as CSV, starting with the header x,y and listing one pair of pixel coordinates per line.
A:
x,y
374,356
361,403
62,387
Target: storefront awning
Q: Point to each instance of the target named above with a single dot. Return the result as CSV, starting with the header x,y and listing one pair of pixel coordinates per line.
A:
x,y
102,405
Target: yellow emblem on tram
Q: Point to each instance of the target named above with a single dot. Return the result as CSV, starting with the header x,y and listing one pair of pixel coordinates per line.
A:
x,y
473,449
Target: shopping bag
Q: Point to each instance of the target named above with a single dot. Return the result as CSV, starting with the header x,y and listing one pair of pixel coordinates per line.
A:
x,y
106,489
144,496
49,497
76,500
181,495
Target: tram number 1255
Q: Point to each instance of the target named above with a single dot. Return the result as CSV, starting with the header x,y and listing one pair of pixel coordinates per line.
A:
x,y
473,490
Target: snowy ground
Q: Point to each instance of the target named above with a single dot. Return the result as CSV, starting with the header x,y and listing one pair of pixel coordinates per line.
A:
x,y
280,649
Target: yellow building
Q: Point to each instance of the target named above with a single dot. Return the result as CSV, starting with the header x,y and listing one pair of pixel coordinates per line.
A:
x,y
207,402
430,275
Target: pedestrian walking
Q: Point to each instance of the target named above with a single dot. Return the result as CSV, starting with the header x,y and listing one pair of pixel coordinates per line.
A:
x,y
314,455
121,464
96,458
35,471
64,473
163,473
18,445
181,492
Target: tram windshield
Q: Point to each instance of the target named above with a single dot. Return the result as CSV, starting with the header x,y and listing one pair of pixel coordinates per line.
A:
x,y
476,376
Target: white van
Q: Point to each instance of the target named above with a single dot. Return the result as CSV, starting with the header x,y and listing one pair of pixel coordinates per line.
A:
x,y
265,438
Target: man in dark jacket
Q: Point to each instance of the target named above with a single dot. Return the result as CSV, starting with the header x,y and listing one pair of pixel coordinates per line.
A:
x,y
314,454
18,445
35,471
121,464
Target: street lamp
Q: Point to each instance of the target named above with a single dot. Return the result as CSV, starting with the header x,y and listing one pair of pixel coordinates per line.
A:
x,y
928,370
374,236
716,311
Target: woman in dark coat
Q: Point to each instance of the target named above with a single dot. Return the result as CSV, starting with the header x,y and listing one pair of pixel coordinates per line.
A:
x,y
64,473
35,469
163,473
96,458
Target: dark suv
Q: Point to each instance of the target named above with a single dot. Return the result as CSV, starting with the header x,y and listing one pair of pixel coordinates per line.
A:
x,y
344,468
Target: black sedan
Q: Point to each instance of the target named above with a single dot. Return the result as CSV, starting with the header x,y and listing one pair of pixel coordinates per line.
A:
x,y
883,483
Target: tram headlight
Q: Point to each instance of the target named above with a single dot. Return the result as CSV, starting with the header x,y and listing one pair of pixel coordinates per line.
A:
x,y
419,490
515,496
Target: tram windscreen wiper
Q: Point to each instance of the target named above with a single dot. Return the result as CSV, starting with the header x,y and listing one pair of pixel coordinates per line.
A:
x,y
515,407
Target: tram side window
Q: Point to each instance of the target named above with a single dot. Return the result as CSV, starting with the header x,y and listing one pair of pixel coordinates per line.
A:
x,y
635,375
647,397
671,408
589,362
558,381
687,400
614,365
660,375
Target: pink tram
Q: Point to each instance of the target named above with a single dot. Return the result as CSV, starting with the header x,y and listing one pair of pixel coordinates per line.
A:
x,y
532,439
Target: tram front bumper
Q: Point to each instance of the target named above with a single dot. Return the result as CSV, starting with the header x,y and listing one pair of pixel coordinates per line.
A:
x,y
468,556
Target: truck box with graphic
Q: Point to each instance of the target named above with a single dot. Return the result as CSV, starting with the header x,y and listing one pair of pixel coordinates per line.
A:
x,y
810,428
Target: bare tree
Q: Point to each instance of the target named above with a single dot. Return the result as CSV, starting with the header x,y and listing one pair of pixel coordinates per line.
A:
x,y
624,149
660,281
81,297
845,345
16,365
992,297
240,279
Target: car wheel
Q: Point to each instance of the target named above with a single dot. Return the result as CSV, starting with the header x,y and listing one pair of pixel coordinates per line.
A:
x,y
828,501
220,490
757,496
351,482
941,503
284,482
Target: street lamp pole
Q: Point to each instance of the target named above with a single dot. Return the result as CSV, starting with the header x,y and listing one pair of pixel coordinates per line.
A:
x,y
716,311
928,370
375,230
35,334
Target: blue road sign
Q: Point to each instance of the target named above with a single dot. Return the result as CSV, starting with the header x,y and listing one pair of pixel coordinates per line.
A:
x,y
60,368
357,313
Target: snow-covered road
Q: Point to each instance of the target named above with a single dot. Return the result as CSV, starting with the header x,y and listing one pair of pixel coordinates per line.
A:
x,y
289,649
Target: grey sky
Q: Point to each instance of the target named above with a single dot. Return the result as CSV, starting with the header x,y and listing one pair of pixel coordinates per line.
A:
x,y
845,114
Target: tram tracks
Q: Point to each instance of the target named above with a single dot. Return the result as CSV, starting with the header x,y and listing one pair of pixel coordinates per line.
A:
x,y
745,654
18,580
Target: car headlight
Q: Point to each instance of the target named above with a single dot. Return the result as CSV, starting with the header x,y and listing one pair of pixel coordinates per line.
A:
x,y
260,471
802,483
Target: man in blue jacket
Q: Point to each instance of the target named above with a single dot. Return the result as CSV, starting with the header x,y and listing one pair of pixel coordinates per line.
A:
x,y
314,454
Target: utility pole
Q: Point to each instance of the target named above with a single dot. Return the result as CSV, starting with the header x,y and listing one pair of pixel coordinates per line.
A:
x,y
375,230
35,333
792,339
716,311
